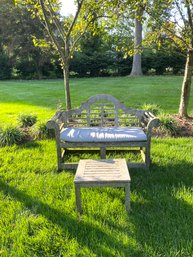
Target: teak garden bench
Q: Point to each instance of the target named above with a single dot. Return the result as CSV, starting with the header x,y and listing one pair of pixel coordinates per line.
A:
x,y
103,123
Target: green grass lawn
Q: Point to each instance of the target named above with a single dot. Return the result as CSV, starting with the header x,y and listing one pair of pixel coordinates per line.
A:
x,y
38,217
42,97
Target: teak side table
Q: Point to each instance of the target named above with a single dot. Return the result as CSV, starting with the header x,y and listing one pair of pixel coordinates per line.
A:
x,y
102,173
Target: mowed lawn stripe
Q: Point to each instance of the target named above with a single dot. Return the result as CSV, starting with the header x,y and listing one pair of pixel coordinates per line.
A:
x,y
43,97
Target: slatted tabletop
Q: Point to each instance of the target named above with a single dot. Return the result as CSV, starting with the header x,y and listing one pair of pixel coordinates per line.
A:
x,y
111,170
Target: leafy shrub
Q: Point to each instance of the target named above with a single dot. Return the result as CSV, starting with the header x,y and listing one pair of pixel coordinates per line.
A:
x,y
60,106
40,131
10,136
27,120
155,109
168,124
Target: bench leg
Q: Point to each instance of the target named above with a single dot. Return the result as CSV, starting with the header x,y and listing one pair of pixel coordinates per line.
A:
x,y
147,156
59,158
127,197
103,153
78,198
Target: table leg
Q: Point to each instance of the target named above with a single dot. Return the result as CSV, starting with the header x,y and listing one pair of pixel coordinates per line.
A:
x,y
127,197
78,198
103,153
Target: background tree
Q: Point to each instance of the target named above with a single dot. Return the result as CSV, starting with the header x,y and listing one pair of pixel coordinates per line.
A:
x,y
130,20
65,33
136,65
17,30
94,56
174,19
6,41
166,58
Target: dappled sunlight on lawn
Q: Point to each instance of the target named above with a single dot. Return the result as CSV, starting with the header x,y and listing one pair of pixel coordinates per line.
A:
x,y
39,203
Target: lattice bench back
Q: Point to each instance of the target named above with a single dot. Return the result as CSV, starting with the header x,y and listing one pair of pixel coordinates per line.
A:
x,y
102,111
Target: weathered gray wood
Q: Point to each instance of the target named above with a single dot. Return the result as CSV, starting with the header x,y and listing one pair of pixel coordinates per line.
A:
x,y
140,165
78,198
127,197
102,173
73,166
147,155
103,152
104,111
69,166
103,144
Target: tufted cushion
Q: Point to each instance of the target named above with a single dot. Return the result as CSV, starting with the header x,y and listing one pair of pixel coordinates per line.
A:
x,y
103,134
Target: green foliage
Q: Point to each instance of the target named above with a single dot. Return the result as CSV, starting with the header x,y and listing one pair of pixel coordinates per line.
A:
x,y
40,131
122,65
154,108
161,23
161,60
94,57
29,61
11,135
26,120
168,124
101,52
5,67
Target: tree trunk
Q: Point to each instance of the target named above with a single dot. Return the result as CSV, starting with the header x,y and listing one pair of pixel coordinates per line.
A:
x,y
136,66
186,85
67,86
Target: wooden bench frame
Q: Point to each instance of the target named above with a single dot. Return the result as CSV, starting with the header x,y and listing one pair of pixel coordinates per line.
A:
x,y
103,111
102,173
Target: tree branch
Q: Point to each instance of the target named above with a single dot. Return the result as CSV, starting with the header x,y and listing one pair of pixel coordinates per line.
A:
x,y
172,33
181,13
57,23
85,28
190,17
49,29
75,18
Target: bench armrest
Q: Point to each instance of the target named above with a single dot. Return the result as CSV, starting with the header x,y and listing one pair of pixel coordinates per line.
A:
x,y
151,122
55,122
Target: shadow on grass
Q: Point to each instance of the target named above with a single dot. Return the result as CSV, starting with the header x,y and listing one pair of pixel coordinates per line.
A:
x,y
163,209
78,229
161,202
30,145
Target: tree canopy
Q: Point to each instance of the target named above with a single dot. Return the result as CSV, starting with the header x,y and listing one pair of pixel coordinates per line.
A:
x,y
100,37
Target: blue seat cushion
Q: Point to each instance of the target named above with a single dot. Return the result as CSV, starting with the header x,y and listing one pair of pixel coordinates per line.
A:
x,y
103,134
